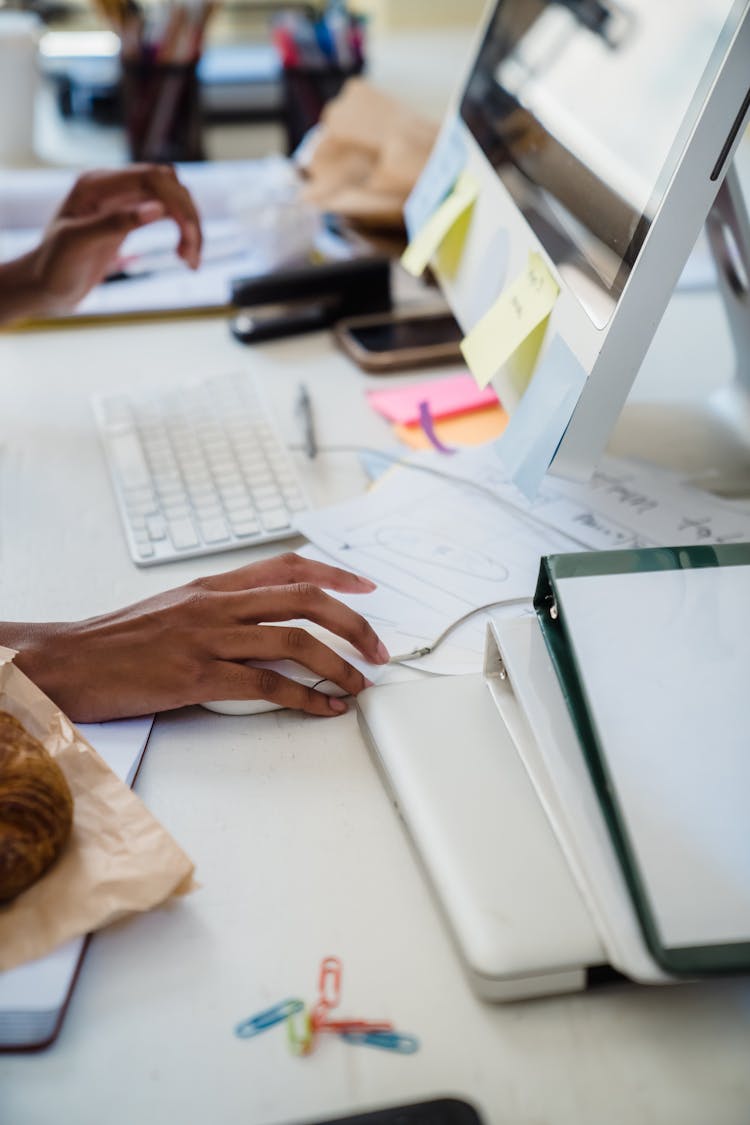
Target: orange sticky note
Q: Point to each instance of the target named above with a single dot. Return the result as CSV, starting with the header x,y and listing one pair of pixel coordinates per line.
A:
x,y
473,428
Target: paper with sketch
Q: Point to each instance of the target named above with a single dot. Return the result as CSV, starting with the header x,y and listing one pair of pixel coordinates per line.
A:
x,y
404,627
626,503
437,550
441,545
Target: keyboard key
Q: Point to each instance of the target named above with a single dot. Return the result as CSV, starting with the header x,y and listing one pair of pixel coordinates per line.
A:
x,y
275,520
176,510
245,528
208,511
183,534
214,531
131,464
156,527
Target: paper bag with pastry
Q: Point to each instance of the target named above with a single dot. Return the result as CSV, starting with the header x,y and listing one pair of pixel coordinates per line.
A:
x,y
78,849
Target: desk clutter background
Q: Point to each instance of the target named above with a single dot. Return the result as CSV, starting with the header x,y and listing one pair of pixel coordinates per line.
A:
x,y
448,535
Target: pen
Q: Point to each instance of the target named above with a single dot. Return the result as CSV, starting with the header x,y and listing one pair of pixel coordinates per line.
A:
x,y
304,407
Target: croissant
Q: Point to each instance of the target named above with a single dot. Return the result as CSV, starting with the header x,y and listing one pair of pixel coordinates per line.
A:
x,y
36,808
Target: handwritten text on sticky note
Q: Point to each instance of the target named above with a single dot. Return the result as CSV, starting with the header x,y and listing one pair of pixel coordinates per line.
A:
x,y
517,312
454,207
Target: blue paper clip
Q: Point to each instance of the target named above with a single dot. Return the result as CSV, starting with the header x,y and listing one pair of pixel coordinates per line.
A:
x,y
386,1040
253,1025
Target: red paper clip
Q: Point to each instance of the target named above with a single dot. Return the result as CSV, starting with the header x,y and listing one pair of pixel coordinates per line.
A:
x,y
353,1025
329,982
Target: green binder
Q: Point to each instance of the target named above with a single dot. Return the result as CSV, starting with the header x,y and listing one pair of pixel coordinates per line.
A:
x,y
652,652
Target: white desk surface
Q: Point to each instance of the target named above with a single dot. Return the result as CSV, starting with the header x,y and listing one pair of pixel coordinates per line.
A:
x,y
297,847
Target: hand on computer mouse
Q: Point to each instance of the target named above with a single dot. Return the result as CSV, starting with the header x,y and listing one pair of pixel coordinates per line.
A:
x,y
189,645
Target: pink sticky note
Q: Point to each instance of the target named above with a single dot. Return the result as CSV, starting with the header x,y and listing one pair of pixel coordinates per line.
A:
x,y
455,395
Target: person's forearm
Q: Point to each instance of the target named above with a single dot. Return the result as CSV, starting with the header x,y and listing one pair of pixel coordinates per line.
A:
x,y
20,293
33,641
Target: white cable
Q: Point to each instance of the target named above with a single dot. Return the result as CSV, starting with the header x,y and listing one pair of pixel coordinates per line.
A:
x,y
426,650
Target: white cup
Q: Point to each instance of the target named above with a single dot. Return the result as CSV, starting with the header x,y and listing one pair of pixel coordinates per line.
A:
x,y
19,79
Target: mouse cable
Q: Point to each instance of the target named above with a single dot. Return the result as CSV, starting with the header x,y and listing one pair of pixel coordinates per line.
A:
x,y
428,649
396,460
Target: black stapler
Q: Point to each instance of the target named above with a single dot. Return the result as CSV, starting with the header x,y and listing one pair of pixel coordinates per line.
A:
x,y
309,297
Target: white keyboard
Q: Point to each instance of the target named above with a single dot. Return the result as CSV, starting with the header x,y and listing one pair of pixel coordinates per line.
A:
x,y
198,469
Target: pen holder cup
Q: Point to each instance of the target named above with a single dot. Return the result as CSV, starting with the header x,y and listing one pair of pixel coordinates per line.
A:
x,y
161,109
306,91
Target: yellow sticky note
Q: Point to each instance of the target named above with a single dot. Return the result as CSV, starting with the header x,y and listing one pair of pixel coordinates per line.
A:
x,y
518,311
417,254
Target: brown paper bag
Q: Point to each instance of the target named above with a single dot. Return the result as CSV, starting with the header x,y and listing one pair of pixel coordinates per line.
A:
x,y
367,156
118,860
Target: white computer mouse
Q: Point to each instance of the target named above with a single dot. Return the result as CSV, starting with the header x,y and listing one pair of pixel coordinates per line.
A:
x,y
293,671
299,672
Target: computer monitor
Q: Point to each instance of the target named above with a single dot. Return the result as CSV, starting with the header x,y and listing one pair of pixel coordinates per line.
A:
x,y
600,133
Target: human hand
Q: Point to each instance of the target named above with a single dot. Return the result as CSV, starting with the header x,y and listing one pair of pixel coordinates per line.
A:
x,y
81,243
188,645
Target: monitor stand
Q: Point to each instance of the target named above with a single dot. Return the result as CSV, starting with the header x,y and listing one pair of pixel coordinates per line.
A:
x,y
696,420
728,229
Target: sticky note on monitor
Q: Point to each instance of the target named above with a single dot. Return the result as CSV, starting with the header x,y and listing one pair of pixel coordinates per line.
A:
x,y
449,214
513,327
444,165
538,424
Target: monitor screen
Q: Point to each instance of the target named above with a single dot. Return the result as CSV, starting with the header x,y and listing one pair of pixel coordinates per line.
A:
x,y
583,108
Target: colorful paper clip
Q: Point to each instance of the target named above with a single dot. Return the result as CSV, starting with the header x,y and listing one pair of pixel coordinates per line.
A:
x,y
300,1034
329,982
386,1040
339,1026
269,1017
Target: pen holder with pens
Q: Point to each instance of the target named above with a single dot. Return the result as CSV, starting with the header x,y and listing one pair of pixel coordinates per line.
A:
x,y
318,51
161,106
306,91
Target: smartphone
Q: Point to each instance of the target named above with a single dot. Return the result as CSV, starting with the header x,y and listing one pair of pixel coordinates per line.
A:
x,y
441,1111
389,342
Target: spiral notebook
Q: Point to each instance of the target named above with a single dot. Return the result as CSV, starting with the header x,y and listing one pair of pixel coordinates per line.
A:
x,y
35,997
